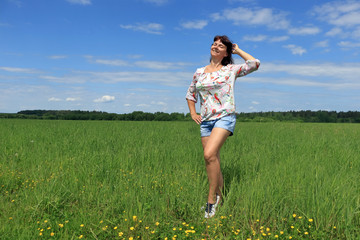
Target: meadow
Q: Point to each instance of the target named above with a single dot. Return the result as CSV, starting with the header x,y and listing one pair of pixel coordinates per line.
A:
x,y
147,180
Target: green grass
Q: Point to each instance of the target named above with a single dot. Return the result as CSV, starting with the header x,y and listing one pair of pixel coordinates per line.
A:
x,y
147,180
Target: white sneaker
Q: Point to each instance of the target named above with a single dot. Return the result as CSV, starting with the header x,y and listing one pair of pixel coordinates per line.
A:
x,y
210,210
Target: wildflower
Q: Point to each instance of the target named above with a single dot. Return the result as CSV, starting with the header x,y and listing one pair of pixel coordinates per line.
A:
x,y
292,227
48,228
157,223
115,228
81,236
81,225
52,234
146,228
311,220
290,237
294,215
334,227
61,225
132,228
40,234
300,217
281,232
276,236
101,221
174,229
131,238
134,218
268,229
306,233
45,221
120,234
10,218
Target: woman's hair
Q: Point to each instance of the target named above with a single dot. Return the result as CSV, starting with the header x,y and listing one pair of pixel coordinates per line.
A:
x,y
229,45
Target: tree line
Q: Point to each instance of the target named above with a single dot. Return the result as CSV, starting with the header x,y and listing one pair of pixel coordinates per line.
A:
x,y
290,116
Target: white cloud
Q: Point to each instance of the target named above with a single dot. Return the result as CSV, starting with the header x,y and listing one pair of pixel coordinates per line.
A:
x,y
127,105
105,99
257,38
196,24
152,28
54,99
348,44
344,15
57,57
112,62
255,102
72,99
345,71
157,2
19,70
156,65
82,2
260,16
296,50
304,31
279,39
334,32
322,44
143,105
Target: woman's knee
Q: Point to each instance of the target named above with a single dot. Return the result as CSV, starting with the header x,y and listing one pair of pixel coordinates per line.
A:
x,y
210,156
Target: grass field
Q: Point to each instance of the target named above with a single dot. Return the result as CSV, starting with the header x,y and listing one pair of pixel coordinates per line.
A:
x,y
147,180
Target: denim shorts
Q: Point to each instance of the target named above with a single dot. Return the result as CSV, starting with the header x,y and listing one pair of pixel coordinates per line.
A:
x,y
227,123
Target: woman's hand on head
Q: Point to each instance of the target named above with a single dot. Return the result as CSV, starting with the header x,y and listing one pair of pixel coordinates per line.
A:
x,y
235,48
196,118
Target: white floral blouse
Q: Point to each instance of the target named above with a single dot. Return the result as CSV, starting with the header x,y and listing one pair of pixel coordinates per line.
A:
x,y
216,89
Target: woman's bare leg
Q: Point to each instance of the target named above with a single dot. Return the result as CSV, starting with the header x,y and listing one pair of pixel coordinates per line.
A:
x,y
212,146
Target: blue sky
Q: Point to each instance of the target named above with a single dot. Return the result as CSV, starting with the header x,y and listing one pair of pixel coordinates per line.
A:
x,y
121,56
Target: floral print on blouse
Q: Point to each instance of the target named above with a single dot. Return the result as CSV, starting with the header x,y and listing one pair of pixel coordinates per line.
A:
x,y
216,89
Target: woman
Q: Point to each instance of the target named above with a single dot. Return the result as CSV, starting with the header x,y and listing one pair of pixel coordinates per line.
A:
x,y
215,85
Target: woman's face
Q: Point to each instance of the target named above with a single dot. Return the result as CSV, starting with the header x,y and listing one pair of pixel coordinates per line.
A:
x,y
218,50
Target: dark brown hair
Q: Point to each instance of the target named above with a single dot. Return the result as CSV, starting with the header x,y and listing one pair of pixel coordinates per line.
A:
x,y
229,45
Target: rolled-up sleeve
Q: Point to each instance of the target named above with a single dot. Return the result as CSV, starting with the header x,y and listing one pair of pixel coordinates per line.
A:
x,y
191,93
248,67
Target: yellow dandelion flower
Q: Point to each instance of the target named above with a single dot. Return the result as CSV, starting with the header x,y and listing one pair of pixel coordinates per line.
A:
x,y
311,220
40,234
131,238
300,217
132,228
281,232
120,234
152,232
174,229
157,223
290,237
45,221
101,221
134,218
115,228
306,233
276,236
268,229
125,219
48,228
334,227
146,228
61,225
52,234
66,221
81,225
294,215
10,218
292,227
81,236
